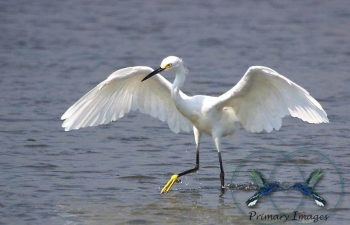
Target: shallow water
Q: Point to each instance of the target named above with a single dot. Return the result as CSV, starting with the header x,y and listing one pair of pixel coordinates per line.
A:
x,y
53,52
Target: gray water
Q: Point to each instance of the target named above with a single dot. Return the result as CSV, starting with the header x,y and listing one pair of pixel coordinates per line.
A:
x,y
53,52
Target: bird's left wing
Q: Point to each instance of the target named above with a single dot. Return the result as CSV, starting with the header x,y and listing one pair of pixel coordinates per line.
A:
x,y
121,92
257,177
263,97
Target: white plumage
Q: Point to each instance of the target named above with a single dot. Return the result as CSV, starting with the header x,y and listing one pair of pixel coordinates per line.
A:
x,y
121,92
258,101
263,97
252,203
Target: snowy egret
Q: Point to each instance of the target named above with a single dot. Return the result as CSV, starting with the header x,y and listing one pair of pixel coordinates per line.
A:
x,y
258,101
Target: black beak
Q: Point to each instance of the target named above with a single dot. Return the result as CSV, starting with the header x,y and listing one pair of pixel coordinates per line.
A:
x,y
153,73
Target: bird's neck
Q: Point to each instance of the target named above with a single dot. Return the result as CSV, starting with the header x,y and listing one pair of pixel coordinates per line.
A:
x,y
180,77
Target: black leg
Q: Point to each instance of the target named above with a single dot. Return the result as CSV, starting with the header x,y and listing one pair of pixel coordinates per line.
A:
x,y
222,175
173,178
195,168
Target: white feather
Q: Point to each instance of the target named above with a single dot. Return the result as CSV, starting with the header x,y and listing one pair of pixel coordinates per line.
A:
x,y
252,203
319,203
121,92
263,97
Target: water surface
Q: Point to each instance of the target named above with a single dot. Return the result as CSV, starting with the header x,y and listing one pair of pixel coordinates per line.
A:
x,y
53,52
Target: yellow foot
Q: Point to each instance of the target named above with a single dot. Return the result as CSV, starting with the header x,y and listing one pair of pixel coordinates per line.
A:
x,y
170,183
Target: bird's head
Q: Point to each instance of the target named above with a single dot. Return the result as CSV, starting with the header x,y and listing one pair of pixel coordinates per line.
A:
x,y
169,63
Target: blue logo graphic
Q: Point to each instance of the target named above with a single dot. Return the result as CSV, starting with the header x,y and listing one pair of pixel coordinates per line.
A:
x,y
306,188
265,187
283,170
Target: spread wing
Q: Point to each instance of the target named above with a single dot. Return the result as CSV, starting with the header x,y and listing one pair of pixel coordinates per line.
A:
x,y
313,178
257,177
263,97
121,92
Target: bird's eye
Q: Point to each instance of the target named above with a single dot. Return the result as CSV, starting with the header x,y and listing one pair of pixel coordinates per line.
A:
x,y
168,66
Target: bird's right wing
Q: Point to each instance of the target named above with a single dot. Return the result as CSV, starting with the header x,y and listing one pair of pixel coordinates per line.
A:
x,y
314,177
121,92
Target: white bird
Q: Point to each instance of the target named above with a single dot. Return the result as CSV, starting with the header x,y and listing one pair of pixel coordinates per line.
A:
x,y
258,101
